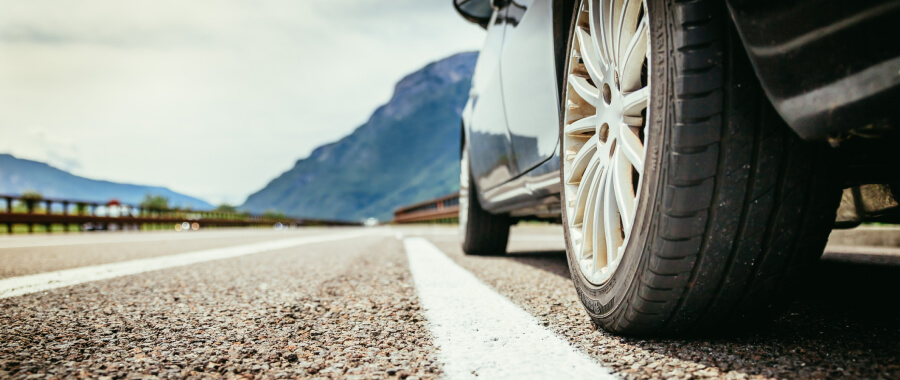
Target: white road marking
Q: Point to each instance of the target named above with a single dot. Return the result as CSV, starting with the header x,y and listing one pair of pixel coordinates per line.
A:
x,y
91,238
17,286
480,333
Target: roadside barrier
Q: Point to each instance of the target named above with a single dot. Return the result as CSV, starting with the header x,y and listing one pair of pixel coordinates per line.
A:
x,y
439,210
114,215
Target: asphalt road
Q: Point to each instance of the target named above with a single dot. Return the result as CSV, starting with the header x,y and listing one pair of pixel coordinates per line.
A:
x,y
351,303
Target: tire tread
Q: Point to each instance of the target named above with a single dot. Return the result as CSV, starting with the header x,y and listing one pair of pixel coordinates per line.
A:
x,y
744,203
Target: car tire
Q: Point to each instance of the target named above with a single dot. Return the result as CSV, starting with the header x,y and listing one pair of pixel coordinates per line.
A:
x,y
731,202
481,233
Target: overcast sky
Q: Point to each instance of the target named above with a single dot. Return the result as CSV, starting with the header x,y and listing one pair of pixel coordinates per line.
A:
x,y
209,98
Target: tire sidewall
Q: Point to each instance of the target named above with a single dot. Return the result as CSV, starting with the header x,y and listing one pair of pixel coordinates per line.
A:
x,y
603,302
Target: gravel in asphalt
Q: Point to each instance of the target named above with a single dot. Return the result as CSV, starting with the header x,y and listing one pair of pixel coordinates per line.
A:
x,y
343,309
20,261
845,322
349,309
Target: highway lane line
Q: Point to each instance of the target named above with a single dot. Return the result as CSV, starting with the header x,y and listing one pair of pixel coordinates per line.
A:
x,y
91,238
17,286
480,333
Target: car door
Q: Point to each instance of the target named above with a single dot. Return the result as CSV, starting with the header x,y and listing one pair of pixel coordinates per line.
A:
x,y
491,156
530,95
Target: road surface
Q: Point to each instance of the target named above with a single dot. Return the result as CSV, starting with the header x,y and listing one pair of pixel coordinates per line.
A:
x,y
392,302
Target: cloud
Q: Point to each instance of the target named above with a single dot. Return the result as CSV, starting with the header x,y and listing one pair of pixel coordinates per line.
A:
x,y
209,97
35,144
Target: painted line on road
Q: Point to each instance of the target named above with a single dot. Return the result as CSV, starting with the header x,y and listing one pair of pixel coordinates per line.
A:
x,y
480,333
92,238
17,286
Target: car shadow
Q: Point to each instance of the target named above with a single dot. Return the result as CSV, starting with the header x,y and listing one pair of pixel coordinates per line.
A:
x,y
551,261
840,316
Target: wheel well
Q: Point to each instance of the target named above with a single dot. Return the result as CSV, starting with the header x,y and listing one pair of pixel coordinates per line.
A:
x,y
563,21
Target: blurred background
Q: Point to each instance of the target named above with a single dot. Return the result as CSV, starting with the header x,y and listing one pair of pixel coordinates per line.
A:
x,y
207,103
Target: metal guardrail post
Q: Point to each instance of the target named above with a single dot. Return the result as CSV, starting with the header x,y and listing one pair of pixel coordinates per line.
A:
x,y
9,226
66,226
49,210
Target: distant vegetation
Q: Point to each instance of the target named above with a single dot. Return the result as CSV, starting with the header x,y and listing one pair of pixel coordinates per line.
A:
x,y
155,203
31,198
32,195
273,214
225,207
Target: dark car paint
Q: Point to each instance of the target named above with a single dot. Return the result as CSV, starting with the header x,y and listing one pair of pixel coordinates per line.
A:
x,y
512,128
475,11
827,65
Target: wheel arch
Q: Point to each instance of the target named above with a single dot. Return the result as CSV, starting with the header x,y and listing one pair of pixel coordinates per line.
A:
x,y
563,22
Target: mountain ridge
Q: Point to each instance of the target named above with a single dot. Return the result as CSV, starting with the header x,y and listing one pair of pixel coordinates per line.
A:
x,y
406,152
18,175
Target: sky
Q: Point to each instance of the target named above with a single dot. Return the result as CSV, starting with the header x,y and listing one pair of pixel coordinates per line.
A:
x,y
211,98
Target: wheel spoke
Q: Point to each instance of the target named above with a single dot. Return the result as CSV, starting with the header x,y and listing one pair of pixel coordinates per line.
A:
x,y
626,25
631,147
599,237
635,102
597,15
589,56
612,228
586,125
584,89
612,32
633,58
587,226
584,188
581,160
624,193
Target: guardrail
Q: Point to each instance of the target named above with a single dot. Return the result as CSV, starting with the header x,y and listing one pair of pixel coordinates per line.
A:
x,y
439,210
87,215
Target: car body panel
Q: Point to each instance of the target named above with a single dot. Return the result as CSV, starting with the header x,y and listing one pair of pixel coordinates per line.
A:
x,y
484,119
528,53
533,193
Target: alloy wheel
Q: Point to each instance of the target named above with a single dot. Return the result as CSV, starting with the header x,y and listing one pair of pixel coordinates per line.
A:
x,y
605,131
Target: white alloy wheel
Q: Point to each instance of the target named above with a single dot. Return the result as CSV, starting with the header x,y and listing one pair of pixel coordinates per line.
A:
x,y
604,134
463,191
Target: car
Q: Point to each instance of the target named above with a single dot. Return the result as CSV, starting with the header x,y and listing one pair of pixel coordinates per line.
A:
x,y
696,152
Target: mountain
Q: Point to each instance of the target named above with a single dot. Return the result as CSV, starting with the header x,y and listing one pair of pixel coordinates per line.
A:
x,y
18,175
408,151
